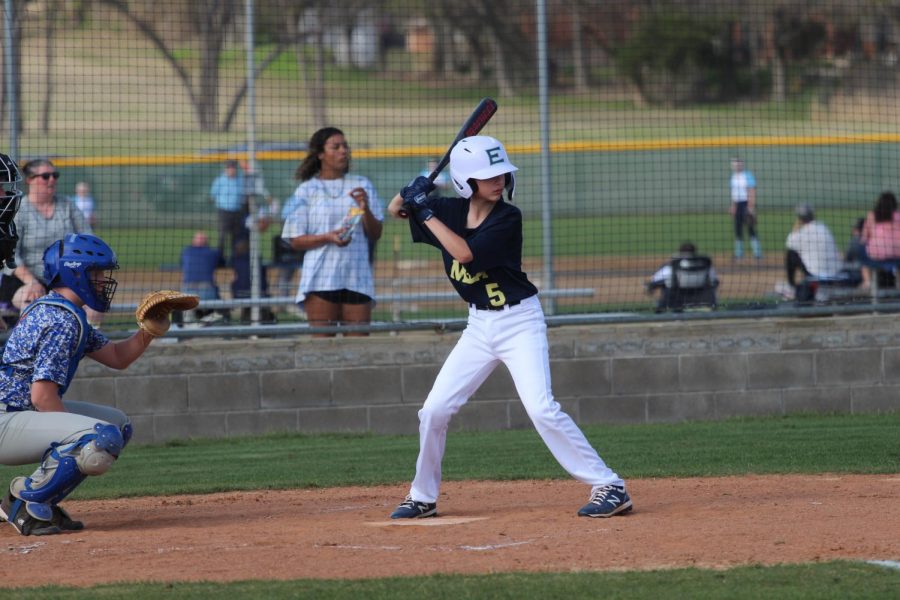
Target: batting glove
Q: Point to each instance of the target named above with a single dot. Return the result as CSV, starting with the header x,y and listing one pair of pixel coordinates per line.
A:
x,y
414,196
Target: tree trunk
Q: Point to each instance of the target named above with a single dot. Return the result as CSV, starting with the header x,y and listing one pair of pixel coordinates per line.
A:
x,y
578,58
211,25
16,27
208,93
779,84
239,95
48,73
504,84
317,89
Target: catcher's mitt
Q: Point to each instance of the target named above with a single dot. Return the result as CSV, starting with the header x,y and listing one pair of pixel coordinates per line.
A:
x,y
153,312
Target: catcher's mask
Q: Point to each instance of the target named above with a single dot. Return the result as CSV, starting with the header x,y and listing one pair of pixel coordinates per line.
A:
x,y
83,263
10,194
480,157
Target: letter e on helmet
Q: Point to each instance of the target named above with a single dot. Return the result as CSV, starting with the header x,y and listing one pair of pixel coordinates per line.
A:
x,y
480,157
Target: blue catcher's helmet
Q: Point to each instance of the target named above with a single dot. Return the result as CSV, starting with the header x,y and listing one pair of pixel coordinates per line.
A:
x,y
70,262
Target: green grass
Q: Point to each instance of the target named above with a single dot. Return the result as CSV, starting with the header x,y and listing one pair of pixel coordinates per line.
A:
x,y
833,580
583,236
790,444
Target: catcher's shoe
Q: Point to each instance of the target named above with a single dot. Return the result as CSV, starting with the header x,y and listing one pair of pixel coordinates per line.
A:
x,y
606,501
62,520
411,509
14,511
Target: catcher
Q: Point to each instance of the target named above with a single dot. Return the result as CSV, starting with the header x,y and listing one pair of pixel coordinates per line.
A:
x,y
69,439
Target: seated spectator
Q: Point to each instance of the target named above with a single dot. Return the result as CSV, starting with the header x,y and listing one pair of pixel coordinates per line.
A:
x,y
881,238
287,261
812,251
688,280
241,285
198,272
855,247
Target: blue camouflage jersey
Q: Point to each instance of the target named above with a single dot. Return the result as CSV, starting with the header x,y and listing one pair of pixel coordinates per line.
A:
x,y
46,344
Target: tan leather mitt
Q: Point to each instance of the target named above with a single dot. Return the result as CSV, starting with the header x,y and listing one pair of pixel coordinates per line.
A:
x,y
153,312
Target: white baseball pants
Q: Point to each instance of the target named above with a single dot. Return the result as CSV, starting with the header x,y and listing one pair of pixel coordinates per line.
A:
x,y
26,435
517,337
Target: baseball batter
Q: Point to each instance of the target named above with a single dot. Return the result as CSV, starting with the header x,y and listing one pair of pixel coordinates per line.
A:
x,y
480,238
69,439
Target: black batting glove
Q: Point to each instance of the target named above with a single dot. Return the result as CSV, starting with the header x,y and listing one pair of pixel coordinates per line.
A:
x,y
414,196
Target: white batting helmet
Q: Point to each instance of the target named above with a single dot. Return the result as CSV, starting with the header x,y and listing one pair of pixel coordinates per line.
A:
x,y
480,157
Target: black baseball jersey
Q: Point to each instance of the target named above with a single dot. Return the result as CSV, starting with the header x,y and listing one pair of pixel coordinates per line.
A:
x,y
494,278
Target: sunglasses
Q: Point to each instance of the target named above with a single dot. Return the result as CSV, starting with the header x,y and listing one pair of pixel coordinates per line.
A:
x,y
47,176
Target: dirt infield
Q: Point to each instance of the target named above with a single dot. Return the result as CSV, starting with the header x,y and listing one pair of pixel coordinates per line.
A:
x,y
482,527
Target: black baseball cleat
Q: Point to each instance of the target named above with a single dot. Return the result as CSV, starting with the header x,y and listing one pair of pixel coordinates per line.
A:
x,y
13,510
607,501
65,522
411,509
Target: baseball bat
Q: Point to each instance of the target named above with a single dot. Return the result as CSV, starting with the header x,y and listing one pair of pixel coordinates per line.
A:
x,y
475,123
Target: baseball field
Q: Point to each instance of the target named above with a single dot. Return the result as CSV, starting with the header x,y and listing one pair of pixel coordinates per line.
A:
x,y
800,506
790,507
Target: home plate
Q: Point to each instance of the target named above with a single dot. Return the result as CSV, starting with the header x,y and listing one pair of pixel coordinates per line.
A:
x,y
426,522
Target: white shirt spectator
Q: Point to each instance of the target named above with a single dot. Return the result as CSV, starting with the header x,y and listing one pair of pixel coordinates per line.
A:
x,y
319,207
817,249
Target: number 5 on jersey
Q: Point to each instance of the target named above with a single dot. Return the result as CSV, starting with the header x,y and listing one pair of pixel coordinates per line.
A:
x,y
497,297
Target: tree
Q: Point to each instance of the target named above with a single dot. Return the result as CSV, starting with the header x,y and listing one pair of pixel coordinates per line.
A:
x,y
16,59
211,21
50,16
669,54
497,42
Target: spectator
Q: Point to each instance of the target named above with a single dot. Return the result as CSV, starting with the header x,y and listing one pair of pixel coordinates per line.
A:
x,y
241,285
85,202
694,285
287,261
811,249
43,218
881,237
198,272
743,208
228,193
332,217
855,247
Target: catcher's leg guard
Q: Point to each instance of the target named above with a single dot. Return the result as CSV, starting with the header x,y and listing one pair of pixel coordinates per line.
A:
x,y
14,510
64,468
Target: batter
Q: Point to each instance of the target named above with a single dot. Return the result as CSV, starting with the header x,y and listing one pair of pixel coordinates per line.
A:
x,y
480,237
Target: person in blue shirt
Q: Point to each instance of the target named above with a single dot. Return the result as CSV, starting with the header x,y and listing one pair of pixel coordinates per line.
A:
x,y
198,270
743,208
229,196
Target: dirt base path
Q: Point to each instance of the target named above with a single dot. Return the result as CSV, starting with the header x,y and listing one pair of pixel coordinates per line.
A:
x,y
482,527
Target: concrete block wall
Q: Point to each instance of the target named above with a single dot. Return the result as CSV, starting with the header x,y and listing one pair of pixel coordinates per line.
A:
x,y
629,373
